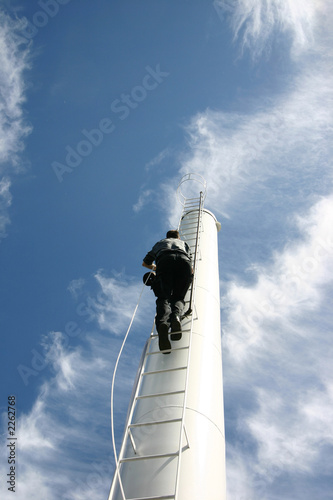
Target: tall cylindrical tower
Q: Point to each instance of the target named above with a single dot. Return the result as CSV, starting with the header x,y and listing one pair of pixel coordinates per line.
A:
x,y
174,444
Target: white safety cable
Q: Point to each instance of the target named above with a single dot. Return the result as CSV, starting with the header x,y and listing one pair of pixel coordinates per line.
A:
x,y
112,388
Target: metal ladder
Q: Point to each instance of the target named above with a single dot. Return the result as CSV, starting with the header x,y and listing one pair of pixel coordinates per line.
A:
x,y
193,230
129,452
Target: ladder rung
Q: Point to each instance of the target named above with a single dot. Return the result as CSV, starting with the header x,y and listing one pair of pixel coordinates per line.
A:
x,y
171,350
194,231
148,457
156,423
188,236
161,497
171,393
190,199
183,331
188,214
165,371
188,224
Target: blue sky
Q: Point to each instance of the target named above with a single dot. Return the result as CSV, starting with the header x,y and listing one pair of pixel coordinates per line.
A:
x,y
104,107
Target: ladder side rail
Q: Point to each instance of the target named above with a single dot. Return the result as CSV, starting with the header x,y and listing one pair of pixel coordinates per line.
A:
x,y
130,413
182,425
194,203
195,251
138,381
135,394
193,287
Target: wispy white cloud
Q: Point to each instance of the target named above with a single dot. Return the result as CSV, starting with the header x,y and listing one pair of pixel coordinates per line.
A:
x,y
14,61
159,158
117,301
75,287
292,429
291,286
5,202
289,142
146,194
277,345
65,448
259,22
143,200
64,363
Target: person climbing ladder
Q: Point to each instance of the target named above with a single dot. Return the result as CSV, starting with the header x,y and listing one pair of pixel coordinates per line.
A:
x,y
174,274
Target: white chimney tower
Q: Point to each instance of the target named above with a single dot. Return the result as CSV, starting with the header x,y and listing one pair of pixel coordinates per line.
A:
x,y
174,443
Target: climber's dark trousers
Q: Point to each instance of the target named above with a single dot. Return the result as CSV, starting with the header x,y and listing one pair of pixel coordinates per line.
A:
x,y
173,278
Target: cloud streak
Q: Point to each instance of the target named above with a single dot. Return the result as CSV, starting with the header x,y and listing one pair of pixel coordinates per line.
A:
x,y
278,374
288,143
143,200
65,439
5,202
258,23
118,298
66,429
14,62
292,286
